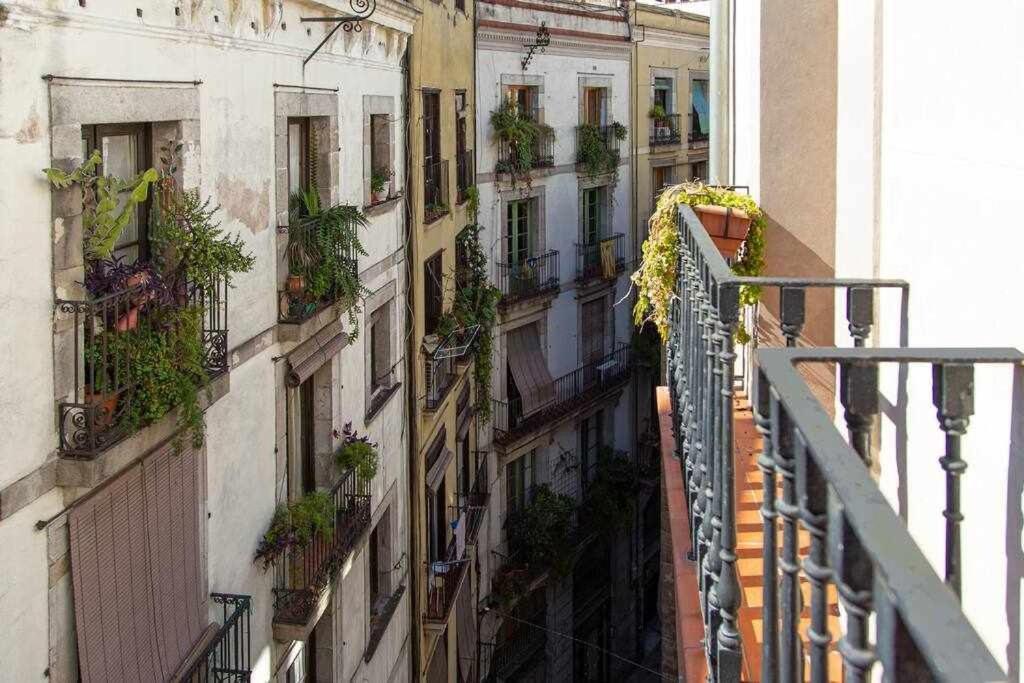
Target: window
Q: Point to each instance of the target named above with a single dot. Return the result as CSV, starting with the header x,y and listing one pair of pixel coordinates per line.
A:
x,y
298,155
380,349
519,482
438,523
431,126
126,153
700,119
591,441
594,327
699,170
518,230
379,563
380,144
526,98
661,177
594,106
593,202
467,467
307,449
663,94
433,292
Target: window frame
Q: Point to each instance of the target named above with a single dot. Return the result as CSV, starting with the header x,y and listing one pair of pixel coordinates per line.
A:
x,y
433,292
304,160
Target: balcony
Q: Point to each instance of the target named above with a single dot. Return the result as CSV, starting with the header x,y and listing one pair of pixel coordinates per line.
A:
x,y
465,175
694,136
474,503
440,376
603,259
665,130
524,645
542,152
532,277
801,568
227,655
597,148
105,406
435,190
302,574
444,582
570,392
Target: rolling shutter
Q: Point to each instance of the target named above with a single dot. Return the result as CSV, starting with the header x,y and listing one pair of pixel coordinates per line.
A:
x,y
138,569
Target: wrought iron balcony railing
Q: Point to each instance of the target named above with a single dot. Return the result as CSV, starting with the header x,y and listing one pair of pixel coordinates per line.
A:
x,y
301,305
228,656
502,659
465,174
302,574
665,130
586,134
100,412
440,376
542,152
435,190
591,261
474,502
569,392
531,277
857,543
445,580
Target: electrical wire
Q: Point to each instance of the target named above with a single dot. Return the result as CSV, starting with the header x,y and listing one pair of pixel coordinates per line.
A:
x,y
617,656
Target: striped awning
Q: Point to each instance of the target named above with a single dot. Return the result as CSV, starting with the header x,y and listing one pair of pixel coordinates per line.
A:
x,y
315,353
529,368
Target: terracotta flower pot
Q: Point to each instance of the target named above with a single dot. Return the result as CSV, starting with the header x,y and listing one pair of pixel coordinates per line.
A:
x,y
128,321
381,196
728,227
296,285
104,406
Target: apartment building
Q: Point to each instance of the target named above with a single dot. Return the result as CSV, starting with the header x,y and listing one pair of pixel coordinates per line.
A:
x,y
274,542
555,177
906,477
449,477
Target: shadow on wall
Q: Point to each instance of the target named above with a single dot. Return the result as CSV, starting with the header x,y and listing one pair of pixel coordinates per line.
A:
x,y
787,256
1015,524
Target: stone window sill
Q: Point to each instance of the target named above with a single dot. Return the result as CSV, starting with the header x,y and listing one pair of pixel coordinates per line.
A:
x,y
379,623
378,402
377,208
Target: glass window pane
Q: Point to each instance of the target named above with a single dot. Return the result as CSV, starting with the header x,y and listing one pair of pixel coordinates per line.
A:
x,y
294,158
120,159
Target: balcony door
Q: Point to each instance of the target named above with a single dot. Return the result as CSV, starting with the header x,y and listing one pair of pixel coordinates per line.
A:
x,y
593,344
593,201
595,106
663,94
431,127
591,442
518,231
524,97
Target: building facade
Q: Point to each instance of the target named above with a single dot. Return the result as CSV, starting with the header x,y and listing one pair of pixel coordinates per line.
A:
x,y
133,549
445,493
554,94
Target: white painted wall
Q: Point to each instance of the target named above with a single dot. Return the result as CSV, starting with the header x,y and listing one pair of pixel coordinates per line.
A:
x,y
238,67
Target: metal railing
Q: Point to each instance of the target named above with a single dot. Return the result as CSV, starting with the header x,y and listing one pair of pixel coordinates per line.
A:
x,y
502,659
435,190
440,376
302,306
568,392
465,174
589,262
542,151
474,502
665,130
528,278
605,136
875,563
301,574
228,656
100,412
445,579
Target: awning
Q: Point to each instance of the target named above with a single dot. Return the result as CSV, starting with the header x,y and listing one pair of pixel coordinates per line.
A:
x,y
529,368
313,354
436,472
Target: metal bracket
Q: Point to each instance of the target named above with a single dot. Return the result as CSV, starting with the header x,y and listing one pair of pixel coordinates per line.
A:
x,y
363,10
542,41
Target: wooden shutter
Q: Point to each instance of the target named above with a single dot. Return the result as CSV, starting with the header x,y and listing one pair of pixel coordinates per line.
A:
x,y
593,330
138,569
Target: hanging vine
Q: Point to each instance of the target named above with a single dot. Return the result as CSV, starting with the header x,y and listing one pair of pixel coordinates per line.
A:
x,y
657,276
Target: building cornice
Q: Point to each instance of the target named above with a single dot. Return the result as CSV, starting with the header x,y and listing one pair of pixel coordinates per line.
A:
x,y
674,40
605,15
509,37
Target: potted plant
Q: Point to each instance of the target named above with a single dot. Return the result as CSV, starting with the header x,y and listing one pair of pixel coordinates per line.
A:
x,y
380,184
356,453
727,226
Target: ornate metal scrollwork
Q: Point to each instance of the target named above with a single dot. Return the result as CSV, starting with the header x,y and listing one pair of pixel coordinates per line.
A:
x,y
361,11
542,41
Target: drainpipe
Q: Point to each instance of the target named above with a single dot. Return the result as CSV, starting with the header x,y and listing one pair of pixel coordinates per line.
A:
x,y
721,67
410,365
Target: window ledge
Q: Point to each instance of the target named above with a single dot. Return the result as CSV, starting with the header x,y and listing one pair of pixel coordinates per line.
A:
x,y
379,624
377,208
378,402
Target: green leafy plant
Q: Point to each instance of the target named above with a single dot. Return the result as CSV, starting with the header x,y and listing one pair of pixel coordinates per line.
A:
x,y
328,240
540,533
657,276
108,203
594,153
379,180
619,131
163,360
519,133
609,498
657,112
294,525
357,453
